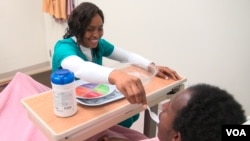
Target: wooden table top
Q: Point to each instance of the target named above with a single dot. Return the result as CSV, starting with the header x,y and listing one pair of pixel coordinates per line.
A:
x,y
41,107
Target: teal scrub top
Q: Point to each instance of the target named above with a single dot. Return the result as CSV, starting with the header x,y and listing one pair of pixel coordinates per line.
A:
x,y
67,47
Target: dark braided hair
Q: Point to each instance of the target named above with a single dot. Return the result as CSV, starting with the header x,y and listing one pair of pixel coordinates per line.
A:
x,y
208,108
80,18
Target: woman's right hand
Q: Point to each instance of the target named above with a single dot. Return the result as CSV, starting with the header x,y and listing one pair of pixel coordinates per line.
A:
x,y
130,86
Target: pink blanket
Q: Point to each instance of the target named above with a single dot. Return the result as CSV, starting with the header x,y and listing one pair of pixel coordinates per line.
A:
x,y
15,124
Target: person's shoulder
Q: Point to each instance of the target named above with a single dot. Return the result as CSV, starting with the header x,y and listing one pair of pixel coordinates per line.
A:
x,y
105,47
66,41
104,42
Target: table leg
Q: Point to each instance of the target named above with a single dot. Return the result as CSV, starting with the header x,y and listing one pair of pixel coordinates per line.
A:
x,y
149,124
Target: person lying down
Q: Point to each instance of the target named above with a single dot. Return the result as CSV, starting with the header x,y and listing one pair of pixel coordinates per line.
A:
x,y
194,114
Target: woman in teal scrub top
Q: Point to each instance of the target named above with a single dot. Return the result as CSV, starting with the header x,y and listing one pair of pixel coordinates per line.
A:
x,y
81,51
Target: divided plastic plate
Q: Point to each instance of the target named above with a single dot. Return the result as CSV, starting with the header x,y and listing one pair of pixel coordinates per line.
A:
x,y
92,94
93,91
101,101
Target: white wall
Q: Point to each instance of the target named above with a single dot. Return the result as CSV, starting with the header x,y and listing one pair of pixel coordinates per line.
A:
x,y
22,35
204,40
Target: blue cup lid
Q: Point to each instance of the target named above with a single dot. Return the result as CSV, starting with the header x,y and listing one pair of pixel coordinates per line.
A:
x,y
62,76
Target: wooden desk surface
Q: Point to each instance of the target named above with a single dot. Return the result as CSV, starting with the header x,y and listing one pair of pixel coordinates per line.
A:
x,y
40,110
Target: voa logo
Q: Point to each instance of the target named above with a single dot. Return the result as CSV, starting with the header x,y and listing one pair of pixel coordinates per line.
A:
x,y
236,132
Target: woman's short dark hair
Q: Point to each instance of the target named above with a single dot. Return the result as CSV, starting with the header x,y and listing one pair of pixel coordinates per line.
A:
x,y
208,109
80,18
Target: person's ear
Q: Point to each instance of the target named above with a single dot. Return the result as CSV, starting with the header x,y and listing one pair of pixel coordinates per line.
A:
x,y
177,136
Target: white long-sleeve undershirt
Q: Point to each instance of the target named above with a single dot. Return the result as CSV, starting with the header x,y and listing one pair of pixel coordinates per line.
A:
x,y
122,55
95,73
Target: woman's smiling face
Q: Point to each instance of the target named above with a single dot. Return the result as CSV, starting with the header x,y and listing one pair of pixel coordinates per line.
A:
x,y
93,32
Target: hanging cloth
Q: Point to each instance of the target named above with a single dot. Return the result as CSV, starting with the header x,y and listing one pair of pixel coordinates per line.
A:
x,y
70,6
56,8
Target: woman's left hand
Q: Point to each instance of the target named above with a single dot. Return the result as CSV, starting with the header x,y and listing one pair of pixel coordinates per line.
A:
x,y
166,73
